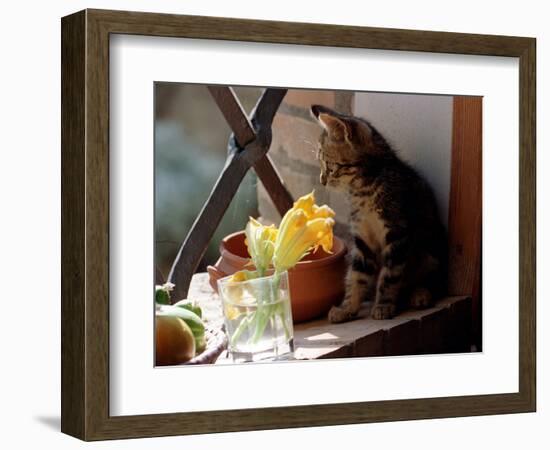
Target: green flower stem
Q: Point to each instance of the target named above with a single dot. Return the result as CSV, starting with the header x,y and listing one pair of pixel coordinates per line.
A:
x,y
266,311
245,323
282,316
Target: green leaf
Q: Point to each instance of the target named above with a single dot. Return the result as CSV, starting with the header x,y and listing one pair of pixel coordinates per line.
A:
x,y
162,297
191,306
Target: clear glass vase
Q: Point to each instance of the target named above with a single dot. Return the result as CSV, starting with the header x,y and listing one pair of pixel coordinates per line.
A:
x,y
258,318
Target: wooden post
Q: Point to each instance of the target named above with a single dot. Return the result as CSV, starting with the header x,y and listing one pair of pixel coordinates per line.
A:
x,y
465,206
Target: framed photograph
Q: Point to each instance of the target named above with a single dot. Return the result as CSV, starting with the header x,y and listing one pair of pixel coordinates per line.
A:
x,y
272,225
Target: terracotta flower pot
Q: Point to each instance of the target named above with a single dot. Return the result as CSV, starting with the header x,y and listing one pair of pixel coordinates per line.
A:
x,y
316,282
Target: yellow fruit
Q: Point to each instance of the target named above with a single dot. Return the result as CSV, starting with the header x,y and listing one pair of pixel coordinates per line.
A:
x,y
175,343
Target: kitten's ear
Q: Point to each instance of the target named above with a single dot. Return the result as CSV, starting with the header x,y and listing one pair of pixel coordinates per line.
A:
x,y
337,127
318,109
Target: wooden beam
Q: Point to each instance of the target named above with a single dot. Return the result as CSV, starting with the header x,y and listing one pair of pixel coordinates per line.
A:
x,y
274,184
258,125
465,205
234,114
262,118
193,248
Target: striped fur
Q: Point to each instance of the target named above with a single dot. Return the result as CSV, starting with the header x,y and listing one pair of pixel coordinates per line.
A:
x,y
399,252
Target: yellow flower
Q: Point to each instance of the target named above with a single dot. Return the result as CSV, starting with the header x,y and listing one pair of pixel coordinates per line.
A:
x,y
233,287
305,203
303,228
310,209
259,242
243,275
231,312
233,291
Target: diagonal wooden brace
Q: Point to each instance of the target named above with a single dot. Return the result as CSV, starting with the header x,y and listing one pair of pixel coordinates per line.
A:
x,y
245,130
248,147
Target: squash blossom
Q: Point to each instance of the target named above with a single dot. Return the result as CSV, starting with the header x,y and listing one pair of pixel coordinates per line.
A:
x,y
234,289
304,227
260,244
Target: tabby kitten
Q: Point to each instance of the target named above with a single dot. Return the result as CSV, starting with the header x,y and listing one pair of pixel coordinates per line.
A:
x,y
400,247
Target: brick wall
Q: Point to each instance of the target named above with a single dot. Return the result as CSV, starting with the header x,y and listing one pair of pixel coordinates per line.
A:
x,y
294,148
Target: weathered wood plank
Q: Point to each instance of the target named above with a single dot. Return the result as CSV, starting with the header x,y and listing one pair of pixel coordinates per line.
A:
x,y
443,328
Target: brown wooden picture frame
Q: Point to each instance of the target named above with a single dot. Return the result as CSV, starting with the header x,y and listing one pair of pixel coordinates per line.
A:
x,y
85,223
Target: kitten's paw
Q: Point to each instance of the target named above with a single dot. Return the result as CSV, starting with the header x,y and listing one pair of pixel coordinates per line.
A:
x,y
421,299
383,311
339,314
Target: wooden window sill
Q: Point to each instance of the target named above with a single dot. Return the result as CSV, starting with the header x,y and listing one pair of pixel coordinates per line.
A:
x,y
445,328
